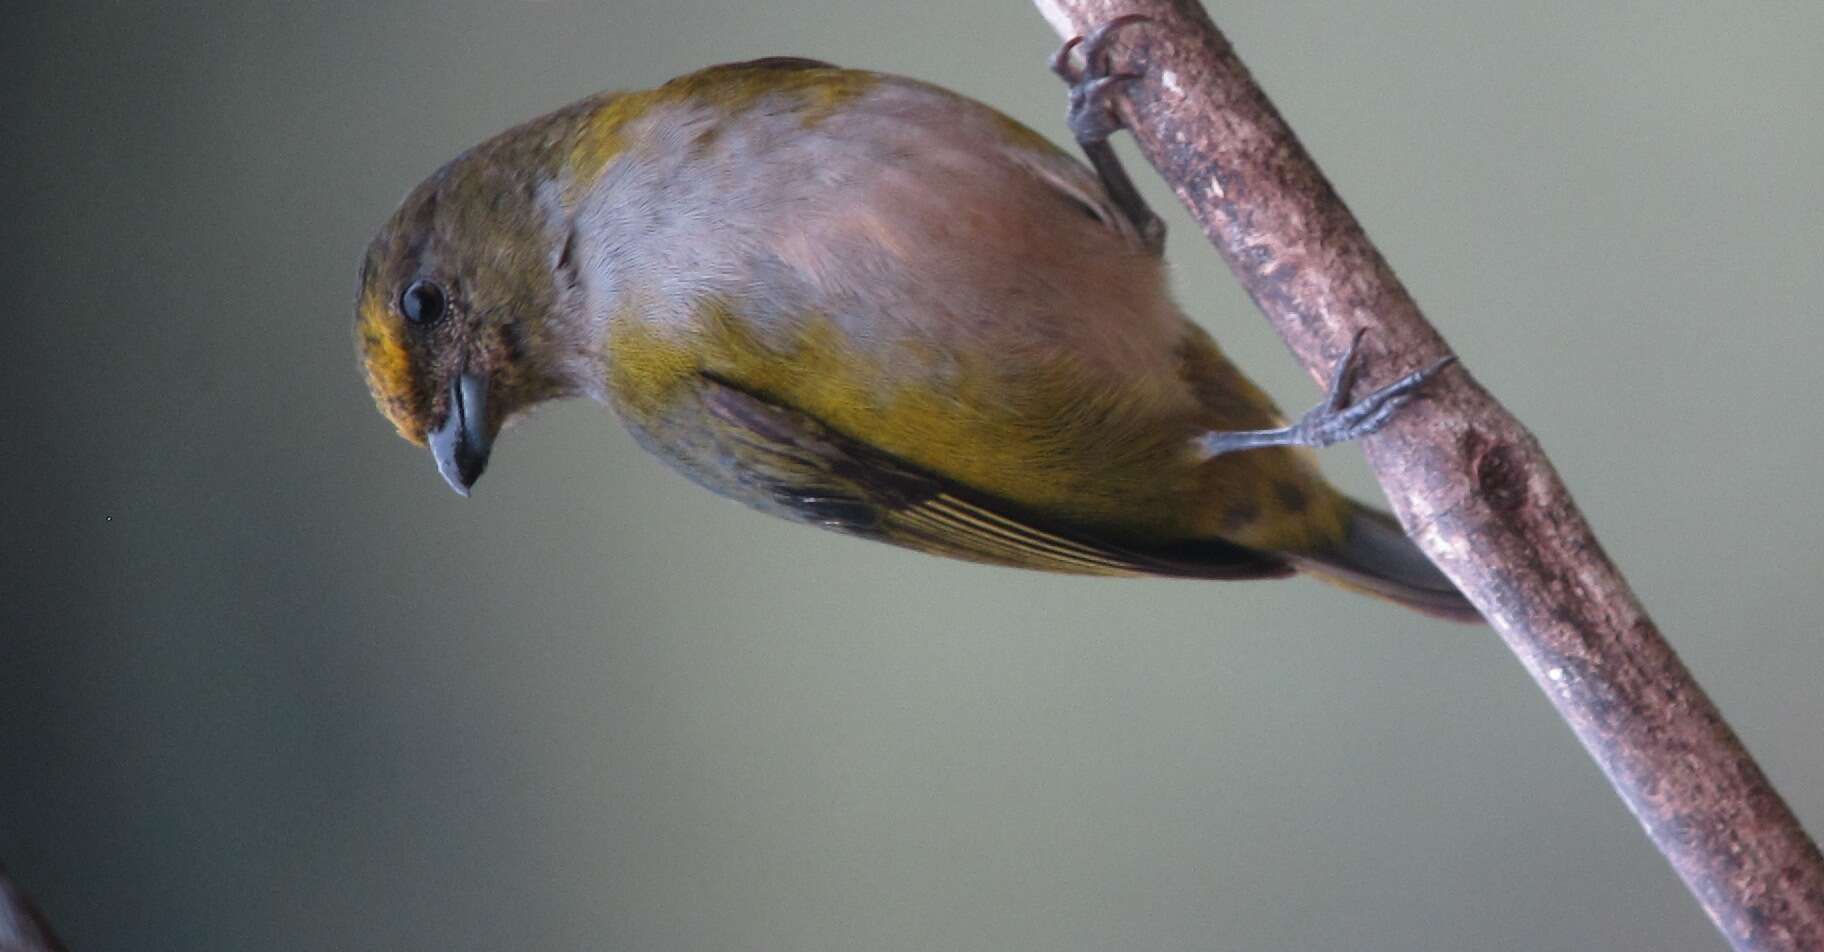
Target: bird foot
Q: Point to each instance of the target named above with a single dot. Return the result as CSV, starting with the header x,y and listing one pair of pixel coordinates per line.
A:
x,y
1091,115
1092,119
1335,420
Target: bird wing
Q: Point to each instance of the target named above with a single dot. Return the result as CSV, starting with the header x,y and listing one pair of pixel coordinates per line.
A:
x,y
830,479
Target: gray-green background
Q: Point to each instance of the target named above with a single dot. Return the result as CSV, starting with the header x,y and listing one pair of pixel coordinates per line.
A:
x,y
266,684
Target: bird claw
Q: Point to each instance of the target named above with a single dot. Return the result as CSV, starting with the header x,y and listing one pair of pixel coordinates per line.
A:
x,y
1336,420
1091,115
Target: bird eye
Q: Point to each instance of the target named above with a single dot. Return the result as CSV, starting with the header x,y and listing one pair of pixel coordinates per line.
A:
x,y
423,302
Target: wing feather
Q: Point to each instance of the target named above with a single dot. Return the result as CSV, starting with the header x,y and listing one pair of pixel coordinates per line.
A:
x,y
824,477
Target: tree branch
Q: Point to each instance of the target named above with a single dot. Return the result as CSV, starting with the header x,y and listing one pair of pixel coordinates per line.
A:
x,y
1468,481
22,926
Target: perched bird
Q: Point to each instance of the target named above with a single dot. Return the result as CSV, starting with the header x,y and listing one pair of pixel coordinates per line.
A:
x,y
867,303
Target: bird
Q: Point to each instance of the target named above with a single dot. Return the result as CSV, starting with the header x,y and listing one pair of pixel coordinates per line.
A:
x,y
867,303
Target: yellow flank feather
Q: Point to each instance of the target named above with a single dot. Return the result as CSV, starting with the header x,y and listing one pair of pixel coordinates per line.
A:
x,y
651,366
1122,462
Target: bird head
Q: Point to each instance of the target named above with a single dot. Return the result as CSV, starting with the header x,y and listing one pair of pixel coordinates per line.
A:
x,y
464,301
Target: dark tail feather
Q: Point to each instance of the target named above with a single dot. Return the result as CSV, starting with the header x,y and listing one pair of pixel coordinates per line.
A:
x,y
1376,557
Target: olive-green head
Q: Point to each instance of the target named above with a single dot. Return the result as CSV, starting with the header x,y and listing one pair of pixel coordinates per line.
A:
x,y
463,303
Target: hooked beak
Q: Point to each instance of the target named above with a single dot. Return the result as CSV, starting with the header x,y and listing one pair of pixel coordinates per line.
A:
x,y
461,444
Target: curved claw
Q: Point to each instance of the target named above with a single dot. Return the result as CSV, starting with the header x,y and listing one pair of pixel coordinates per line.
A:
x,y
1060,61
1338,421
1342,379
1335,420
1094,45
1092,118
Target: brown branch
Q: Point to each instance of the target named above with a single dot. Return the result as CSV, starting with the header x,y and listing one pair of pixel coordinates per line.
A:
x,y
1468,481
22,926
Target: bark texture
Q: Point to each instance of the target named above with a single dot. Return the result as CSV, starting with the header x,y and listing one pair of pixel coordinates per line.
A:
x,y
1468,481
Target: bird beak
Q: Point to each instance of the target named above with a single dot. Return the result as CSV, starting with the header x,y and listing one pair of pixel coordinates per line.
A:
x,y
461,444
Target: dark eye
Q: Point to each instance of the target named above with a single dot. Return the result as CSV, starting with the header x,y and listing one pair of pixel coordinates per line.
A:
x,y
423,302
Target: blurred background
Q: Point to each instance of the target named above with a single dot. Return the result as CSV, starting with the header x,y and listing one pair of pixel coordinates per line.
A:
x,y
266,683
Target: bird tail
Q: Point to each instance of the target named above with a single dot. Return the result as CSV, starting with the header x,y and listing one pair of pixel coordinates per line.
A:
x,y
1376,557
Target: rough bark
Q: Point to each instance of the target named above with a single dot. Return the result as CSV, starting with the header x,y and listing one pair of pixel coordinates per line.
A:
x,y
1468,481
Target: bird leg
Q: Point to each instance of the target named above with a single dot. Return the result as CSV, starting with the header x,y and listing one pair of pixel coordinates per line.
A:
x,y
1092,119
1335,420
